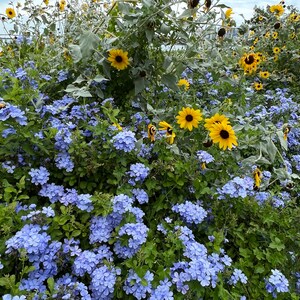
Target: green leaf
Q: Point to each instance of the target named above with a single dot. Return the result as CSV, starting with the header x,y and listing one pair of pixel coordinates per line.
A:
x,y
170,81
139,85
277,244
88,43
50,283
282,141
75,52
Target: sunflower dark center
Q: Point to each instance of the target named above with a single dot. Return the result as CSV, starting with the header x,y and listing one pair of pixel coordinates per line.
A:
x,y
169,130
10,13
249,60
224,134
189,118
119,58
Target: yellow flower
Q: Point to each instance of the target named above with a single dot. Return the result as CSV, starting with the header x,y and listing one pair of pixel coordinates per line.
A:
x,y
151,132
46,2
188,118
249,62
183,83
267,35
264,74
228,13
275,35
169,131
278,10
258,86
286,132
276,50
10,12
257,177
215,119
294,17
223,134
292,35
62,6
118,59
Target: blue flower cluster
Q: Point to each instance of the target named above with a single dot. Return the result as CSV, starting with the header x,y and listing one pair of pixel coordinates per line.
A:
x,y
237,276
136,234
14,112
124,140
277,283
39,176
137,173
190,212
204,157
237,187
162,291
69,197
136,286
140,195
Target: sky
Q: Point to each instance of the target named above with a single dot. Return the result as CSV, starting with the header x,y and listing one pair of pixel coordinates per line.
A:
x,y
239,7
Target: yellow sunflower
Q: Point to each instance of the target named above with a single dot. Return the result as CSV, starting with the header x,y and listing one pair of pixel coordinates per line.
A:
x,y
223,134
183,83
276,50
46,2
188,118
215,119
163,125
249,62
258,86
257,177
275,35
118,59
278,10
10,12
264,74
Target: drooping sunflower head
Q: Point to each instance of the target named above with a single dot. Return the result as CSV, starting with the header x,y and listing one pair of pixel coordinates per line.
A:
x,y
163,125
257,177
228,13
118,59
224,135
183,83
258,86
151,132
10,12
215,119
278,9
188,118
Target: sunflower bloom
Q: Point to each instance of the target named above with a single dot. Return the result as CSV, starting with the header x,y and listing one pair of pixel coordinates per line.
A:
x,y
276,50
163,125
258,86
264,74
46,2
10,12
215,119
118,59
278,10
183,83
257,177
188,118
223,134
249,62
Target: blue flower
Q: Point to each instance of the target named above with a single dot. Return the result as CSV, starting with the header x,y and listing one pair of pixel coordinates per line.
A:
x,y
140,195
136,286
85,262
190,212
124,140
103,280
10,297
9,167
136,234
204,157
237,276
39,176
138,173
12,111
62,76
277,283
162,291
64,161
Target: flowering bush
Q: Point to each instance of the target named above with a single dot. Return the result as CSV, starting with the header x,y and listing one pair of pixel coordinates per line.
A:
x,y
149,152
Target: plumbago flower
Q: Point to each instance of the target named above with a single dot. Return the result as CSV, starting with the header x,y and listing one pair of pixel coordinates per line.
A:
x,y
110,134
